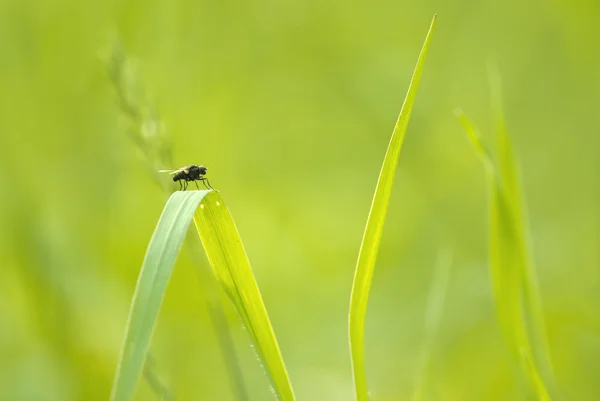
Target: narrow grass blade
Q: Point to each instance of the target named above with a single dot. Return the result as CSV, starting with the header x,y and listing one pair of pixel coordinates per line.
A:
x,y
435,304
161,391
531,300
499,280
228,260
373,231
515,287
230,264
152,282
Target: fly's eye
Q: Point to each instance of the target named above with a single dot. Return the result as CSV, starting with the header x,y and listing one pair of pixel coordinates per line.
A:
x,y
202,170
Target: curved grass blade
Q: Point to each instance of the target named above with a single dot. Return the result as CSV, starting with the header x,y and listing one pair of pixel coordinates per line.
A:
x,y
152,282
230,264
515,288
372,236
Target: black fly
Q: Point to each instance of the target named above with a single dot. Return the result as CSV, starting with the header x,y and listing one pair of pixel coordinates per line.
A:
x,y
189,173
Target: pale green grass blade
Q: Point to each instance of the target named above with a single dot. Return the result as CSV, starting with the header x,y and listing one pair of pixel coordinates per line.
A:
x,y
435,304
152,282
515,288
230,264
161,391
228,259
499,280
373,231
536,379
531,300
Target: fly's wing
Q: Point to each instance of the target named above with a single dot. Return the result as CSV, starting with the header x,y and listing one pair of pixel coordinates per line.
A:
x,y
179,170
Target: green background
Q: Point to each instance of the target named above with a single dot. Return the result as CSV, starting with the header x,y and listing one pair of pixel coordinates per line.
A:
x,y
291,104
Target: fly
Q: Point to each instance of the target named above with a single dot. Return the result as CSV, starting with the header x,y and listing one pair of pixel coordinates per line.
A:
x,y
189,173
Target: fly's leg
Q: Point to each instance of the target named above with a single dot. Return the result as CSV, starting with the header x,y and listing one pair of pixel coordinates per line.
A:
x,y
209,186
196,182
185,184
180,187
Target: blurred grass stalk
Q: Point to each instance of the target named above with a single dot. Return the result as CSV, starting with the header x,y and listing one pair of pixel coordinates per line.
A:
x,y
372,236
435,304
158,387
148,133
512,269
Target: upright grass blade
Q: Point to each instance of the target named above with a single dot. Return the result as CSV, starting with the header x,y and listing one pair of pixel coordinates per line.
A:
x,y
435,303
229,263
373,231
513,279
531,299
160,389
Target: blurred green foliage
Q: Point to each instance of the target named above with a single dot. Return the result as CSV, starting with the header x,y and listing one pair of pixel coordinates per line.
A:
x,y
291,106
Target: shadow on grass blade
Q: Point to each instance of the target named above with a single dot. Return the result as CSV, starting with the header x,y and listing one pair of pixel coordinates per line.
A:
x,y
373,231
229,263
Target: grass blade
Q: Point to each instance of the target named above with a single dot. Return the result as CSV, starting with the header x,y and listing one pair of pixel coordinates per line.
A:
x,y
531,299
435,304
152,282
161,391
515,287
154,142
229,263
373,231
